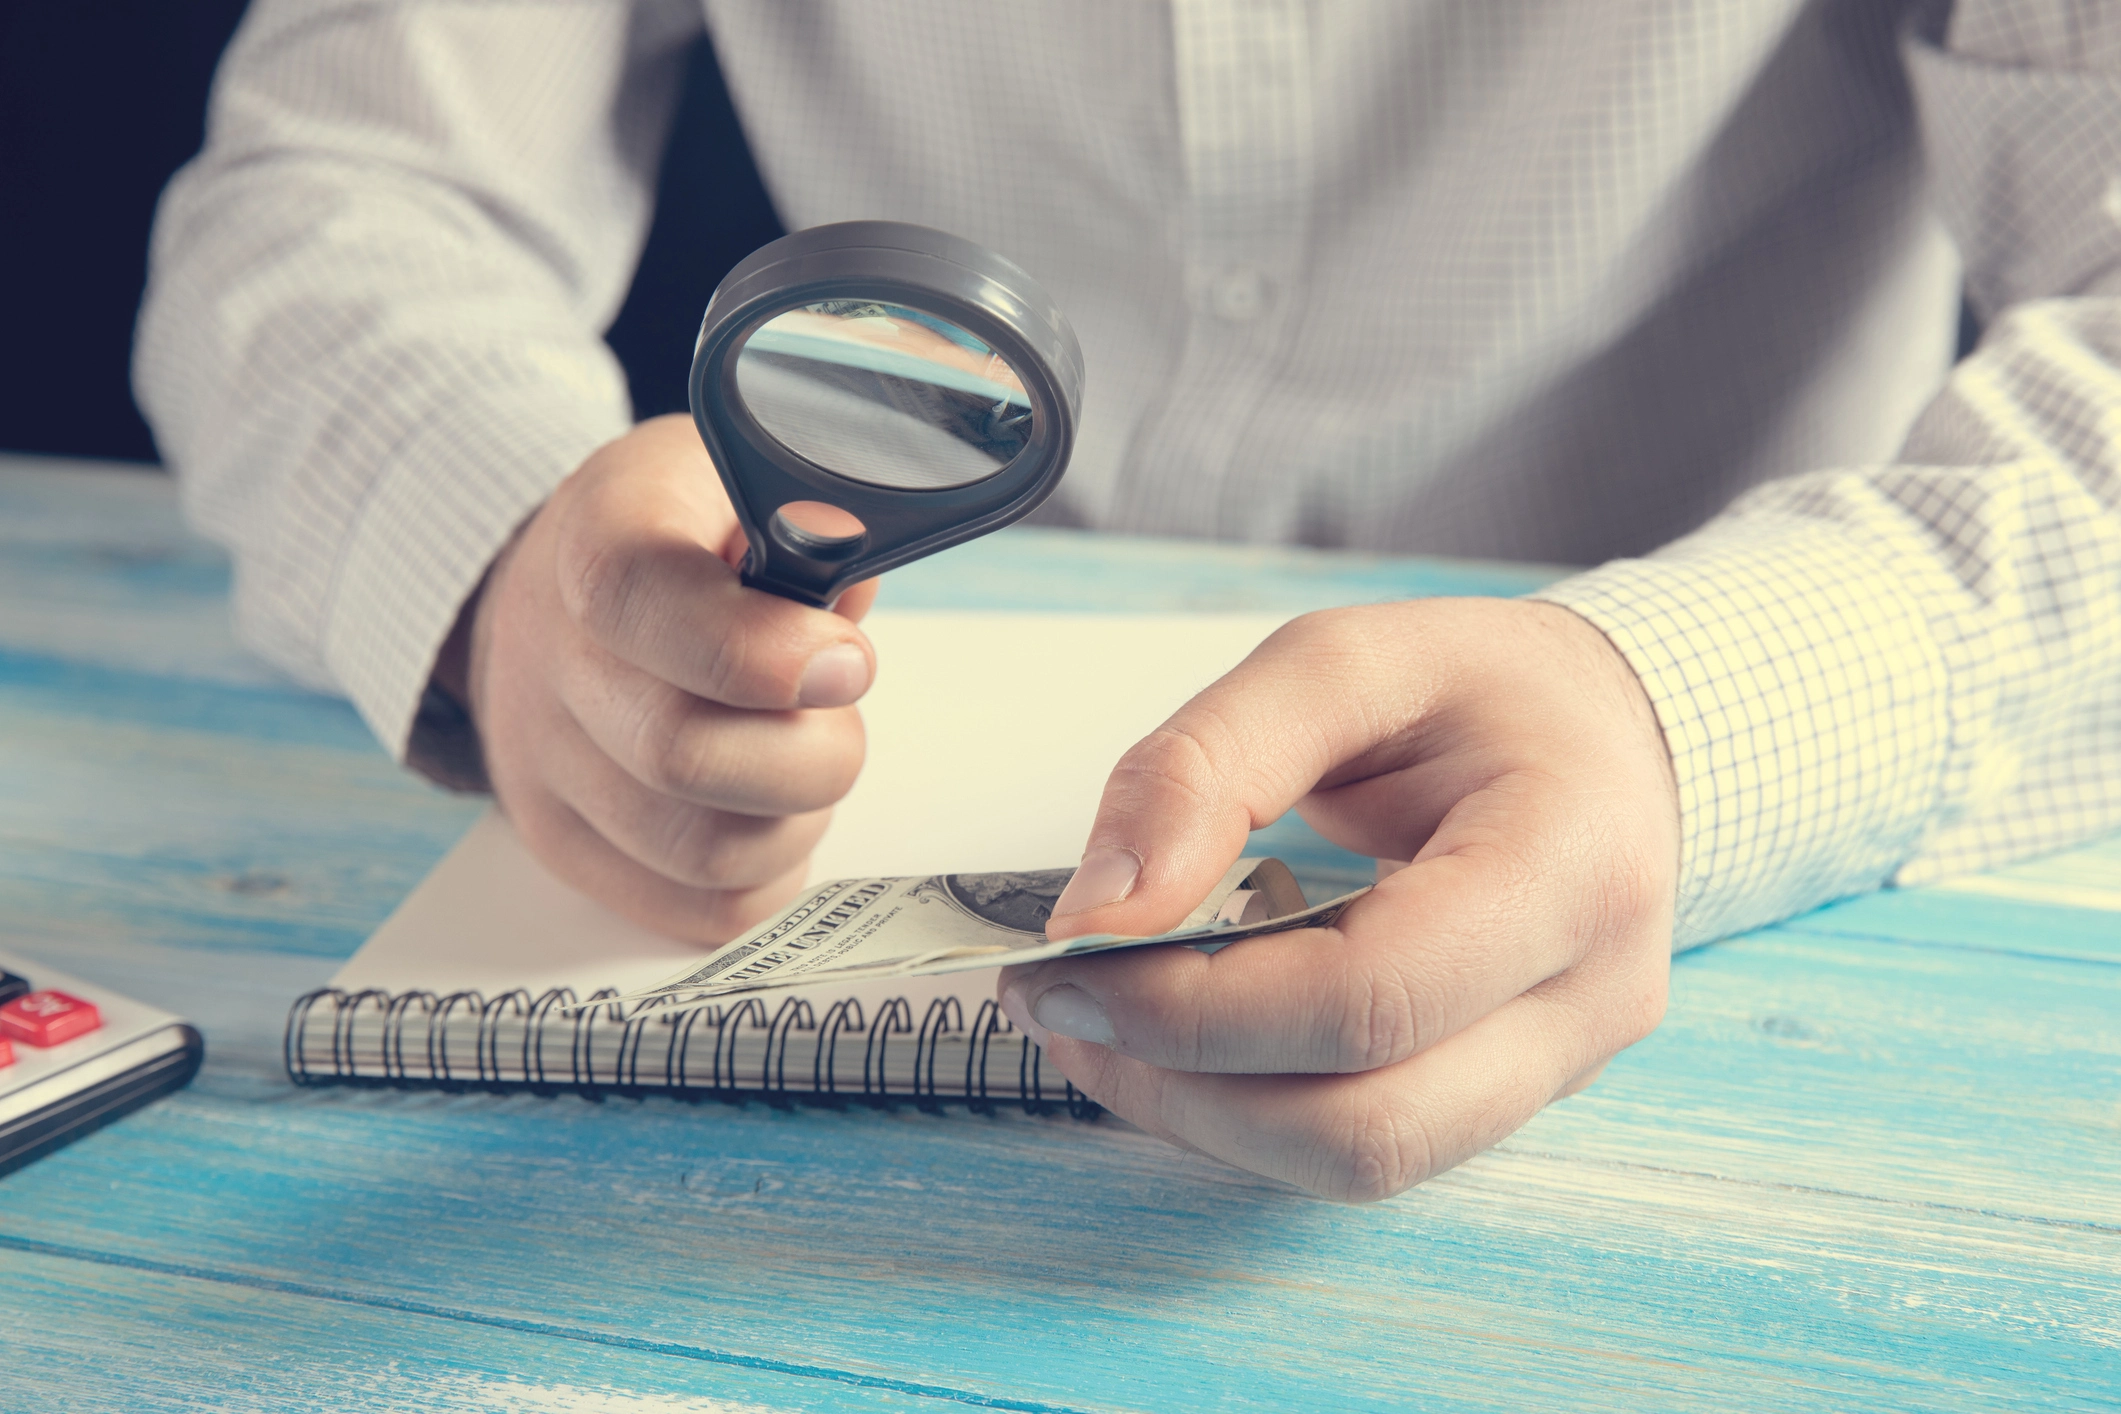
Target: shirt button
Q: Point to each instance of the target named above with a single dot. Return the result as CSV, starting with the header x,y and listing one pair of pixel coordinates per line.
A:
x,y
1239,296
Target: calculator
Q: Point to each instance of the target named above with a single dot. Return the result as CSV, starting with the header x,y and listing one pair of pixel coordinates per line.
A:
x,y
75,1056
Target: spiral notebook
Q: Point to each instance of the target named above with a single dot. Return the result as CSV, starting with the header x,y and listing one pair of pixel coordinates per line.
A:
x,y
990,737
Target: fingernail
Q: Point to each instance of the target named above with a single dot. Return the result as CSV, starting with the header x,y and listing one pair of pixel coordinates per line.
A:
x,y
835,677
1068,1010
1106,875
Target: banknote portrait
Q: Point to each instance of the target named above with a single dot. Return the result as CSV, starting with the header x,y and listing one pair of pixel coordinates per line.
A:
x,y
1021,901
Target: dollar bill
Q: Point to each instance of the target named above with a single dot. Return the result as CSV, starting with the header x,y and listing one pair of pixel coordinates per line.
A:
x,y
858,929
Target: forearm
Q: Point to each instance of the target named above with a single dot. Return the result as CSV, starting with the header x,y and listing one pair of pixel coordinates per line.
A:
x,y
372,339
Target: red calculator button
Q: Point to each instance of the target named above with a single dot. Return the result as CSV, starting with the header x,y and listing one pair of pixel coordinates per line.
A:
x,y
47,1018
7,1052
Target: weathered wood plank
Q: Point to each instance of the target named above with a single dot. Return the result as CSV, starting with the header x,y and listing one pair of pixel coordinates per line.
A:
x,y
1098,1268
205,833
90,1334
95,568
1948,1076
2062,905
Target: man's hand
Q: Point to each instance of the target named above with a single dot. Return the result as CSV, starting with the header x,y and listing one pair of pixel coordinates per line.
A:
x,y
664,739
1506,749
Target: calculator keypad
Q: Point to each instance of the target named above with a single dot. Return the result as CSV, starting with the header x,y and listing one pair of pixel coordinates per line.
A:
x,y
48,1018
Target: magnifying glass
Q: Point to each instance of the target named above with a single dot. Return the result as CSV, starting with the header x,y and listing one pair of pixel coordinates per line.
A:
x,y
873,392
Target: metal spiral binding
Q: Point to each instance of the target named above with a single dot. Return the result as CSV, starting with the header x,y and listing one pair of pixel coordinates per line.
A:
x,y
516,1003
844,1015
1027,1080
984,1026
438,1037
392,1041
294,1052
626,1070
944,1014
674,1071
534,1039
342,1025
894,1016
793,1015
725,1037
395,1014
582,1060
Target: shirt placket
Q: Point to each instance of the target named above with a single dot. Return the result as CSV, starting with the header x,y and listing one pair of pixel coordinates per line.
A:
x,y
1246,120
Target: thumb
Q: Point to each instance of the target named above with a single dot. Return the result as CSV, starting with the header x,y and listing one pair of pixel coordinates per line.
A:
x,y
1179,804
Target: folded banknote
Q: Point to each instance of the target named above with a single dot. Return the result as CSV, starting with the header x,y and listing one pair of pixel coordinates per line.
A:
x,y
858,929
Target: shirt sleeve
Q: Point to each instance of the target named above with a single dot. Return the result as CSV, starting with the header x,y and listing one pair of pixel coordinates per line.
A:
x,y
1892,674
371,342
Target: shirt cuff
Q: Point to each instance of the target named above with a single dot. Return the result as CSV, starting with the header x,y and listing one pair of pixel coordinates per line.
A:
x,y
453,493
1804,701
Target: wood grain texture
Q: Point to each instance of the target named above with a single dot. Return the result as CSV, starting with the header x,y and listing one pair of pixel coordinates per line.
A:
x,y
1868,1162
272,1346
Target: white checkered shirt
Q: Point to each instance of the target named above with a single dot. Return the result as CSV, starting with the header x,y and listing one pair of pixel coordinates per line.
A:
x,y
1480,277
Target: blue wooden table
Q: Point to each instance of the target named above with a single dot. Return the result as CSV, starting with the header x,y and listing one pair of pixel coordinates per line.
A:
x,y
1872,1159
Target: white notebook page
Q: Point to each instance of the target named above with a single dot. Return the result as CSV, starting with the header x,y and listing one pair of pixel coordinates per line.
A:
x,y
989,739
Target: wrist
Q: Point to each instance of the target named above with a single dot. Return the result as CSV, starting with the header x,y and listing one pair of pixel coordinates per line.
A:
x,y
1610,668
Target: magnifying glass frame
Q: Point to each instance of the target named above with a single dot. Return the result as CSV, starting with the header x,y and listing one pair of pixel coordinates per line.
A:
x,y
883,262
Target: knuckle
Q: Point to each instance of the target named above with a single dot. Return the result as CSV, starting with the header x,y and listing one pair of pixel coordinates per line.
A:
x,y
1326,629
727,666
813,766
1630,923
1175,754
681,750
1642,1005
600,583
1192,1044
1383,1150
625,594
717,853
1583,1081
1630,879
669,757
1193,1040
690,850
1318,626
1628,898
812,782
1382,1024
1334,638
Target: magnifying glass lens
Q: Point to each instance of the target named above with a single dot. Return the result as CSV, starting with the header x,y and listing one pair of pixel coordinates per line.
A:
x,y
872,392
884,394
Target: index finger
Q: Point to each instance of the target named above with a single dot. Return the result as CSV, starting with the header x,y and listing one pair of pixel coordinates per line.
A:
x,y
1319,692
